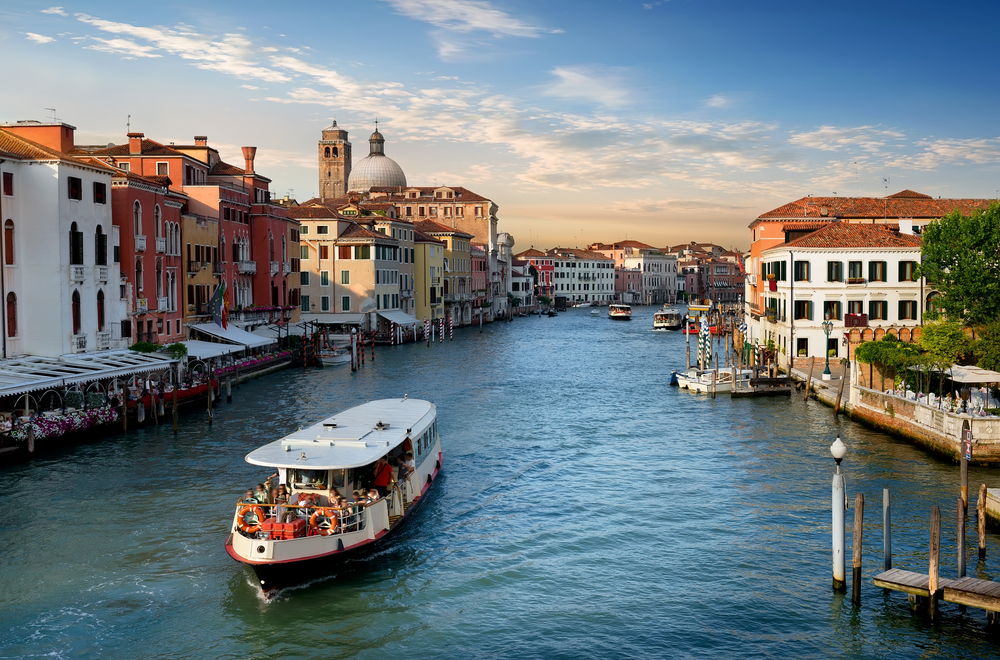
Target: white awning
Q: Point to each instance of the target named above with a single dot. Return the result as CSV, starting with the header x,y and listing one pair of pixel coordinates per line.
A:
x,y
30,373
972,375
233,335
271,331
402,318
333,319
206,350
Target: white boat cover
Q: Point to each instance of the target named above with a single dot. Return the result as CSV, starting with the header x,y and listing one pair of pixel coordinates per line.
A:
x,y
348,439
233,335
398,317
206,350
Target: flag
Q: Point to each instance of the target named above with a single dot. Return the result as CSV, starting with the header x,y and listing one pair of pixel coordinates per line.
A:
x,y
219,306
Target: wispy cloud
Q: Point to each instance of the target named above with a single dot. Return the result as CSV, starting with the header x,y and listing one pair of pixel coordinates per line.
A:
x,y
249,86
124,47
834,138
39,38
232,54
591,84
467,16
937,153
58,11
718,101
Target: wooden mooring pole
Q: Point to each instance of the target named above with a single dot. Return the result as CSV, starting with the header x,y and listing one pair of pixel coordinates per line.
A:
x,y
809,378
961,538
173,408
886,530
981,521
934,563
859,521
840,390
964,466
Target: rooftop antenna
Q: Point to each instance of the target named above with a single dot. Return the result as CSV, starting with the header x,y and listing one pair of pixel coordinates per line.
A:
x,y
53,111
885,200
128,124
857,190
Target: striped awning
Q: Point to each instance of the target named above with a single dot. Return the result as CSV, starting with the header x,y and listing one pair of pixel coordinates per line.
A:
x,y
32,373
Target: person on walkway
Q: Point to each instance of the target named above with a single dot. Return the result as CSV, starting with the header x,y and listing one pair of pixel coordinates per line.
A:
x,y
383,476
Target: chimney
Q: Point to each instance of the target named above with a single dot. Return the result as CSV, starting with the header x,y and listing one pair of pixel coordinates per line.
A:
x,y
135,143
54,135
201,140
906,226
248,156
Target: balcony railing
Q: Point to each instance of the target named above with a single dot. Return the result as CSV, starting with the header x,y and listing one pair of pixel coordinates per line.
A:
x,y
102,273
162,304
275,268
79,342
217,267
286,268
247,267
194,267
140,243
76,273
103,341
161,244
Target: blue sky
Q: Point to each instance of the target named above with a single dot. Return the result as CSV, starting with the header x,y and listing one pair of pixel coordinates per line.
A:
x,y
586,120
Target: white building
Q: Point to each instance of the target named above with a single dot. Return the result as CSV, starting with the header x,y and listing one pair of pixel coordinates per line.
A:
x,y
583,275
854,274
659,275
62,286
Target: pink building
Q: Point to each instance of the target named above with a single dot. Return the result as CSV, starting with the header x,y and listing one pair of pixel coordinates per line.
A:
x,y
544,269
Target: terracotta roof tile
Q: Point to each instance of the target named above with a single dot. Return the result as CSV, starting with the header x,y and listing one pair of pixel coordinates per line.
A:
x,y
149,148
527,254
467,195
225,169
15,146
421,237
354,230
852,235
905,204
431,227
313,213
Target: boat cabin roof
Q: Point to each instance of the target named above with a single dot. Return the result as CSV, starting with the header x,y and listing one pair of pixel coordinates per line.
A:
x,y
352,438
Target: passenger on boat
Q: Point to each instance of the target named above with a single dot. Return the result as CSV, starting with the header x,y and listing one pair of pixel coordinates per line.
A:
x,y
262,494
409,461
383,476
249,498
281,498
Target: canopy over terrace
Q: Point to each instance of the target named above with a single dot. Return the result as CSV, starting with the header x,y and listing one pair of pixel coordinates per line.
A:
x,y
398,317
30,373
233,335
973,375
206,350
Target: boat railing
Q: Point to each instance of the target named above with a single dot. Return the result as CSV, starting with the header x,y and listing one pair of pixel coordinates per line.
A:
x,y
350,518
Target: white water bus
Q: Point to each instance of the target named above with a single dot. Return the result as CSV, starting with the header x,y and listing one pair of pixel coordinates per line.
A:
x,y
291,544
668,318
619,312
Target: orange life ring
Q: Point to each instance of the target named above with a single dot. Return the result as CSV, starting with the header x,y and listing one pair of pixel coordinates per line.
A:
x,y
323,522
249,518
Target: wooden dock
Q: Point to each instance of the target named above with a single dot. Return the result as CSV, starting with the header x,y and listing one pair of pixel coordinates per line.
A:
x,y
983,594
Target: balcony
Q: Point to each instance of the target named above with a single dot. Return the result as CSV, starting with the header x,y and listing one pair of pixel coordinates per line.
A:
x,y
140,243
162,304
457,297
286,268
102,274
103,341
217,267
194,267
77,274
246,267
275,268
161,244
79,343
405,293
435,280
856,282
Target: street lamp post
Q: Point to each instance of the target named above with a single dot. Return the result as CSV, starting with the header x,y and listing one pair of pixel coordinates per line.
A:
x,y
827,328
839,504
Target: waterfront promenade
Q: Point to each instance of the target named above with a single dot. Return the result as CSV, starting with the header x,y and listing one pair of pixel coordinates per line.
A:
x,y
586,509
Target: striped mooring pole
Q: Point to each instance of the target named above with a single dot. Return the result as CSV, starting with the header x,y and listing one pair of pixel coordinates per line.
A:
x,y
392,330
451,327
427,331
440,330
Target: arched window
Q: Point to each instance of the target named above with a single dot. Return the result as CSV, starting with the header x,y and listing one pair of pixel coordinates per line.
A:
x,y
75,246
933,302
159,279
8,242
100,311
335,152
157,217
326,152
11,315
100,247
138,274
446,286
137,218
76,313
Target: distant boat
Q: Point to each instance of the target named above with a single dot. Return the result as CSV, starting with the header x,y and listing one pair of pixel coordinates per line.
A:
x,y
333,357
619,312
595,312
668,318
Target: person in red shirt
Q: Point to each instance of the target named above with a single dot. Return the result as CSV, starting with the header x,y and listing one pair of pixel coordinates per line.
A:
x,y
383,476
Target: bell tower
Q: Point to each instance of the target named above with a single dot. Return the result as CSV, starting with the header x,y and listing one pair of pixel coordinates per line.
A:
x,y
334,162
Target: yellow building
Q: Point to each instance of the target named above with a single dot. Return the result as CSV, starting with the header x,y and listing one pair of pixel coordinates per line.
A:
x,y
457,278
201,266
428,273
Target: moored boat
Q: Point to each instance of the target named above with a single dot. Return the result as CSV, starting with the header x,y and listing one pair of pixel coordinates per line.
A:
x,y
702,381
332,357
619,312
288,544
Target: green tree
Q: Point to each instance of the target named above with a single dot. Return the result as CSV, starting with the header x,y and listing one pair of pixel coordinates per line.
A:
x,y
891,356
961,258
987,347
944,343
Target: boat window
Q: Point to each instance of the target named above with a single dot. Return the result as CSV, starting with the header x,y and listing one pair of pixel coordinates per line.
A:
x,y
311,479
339,477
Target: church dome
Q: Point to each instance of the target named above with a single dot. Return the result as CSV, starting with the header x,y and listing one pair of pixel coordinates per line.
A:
x,y
376,169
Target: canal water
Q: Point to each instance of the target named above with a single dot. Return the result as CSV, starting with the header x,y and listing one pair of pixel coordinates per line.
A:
x,y
585,510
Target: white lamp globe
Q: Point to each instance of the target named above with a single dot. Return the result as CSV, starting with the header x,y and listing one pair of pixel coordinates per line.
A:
x,y
838,449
